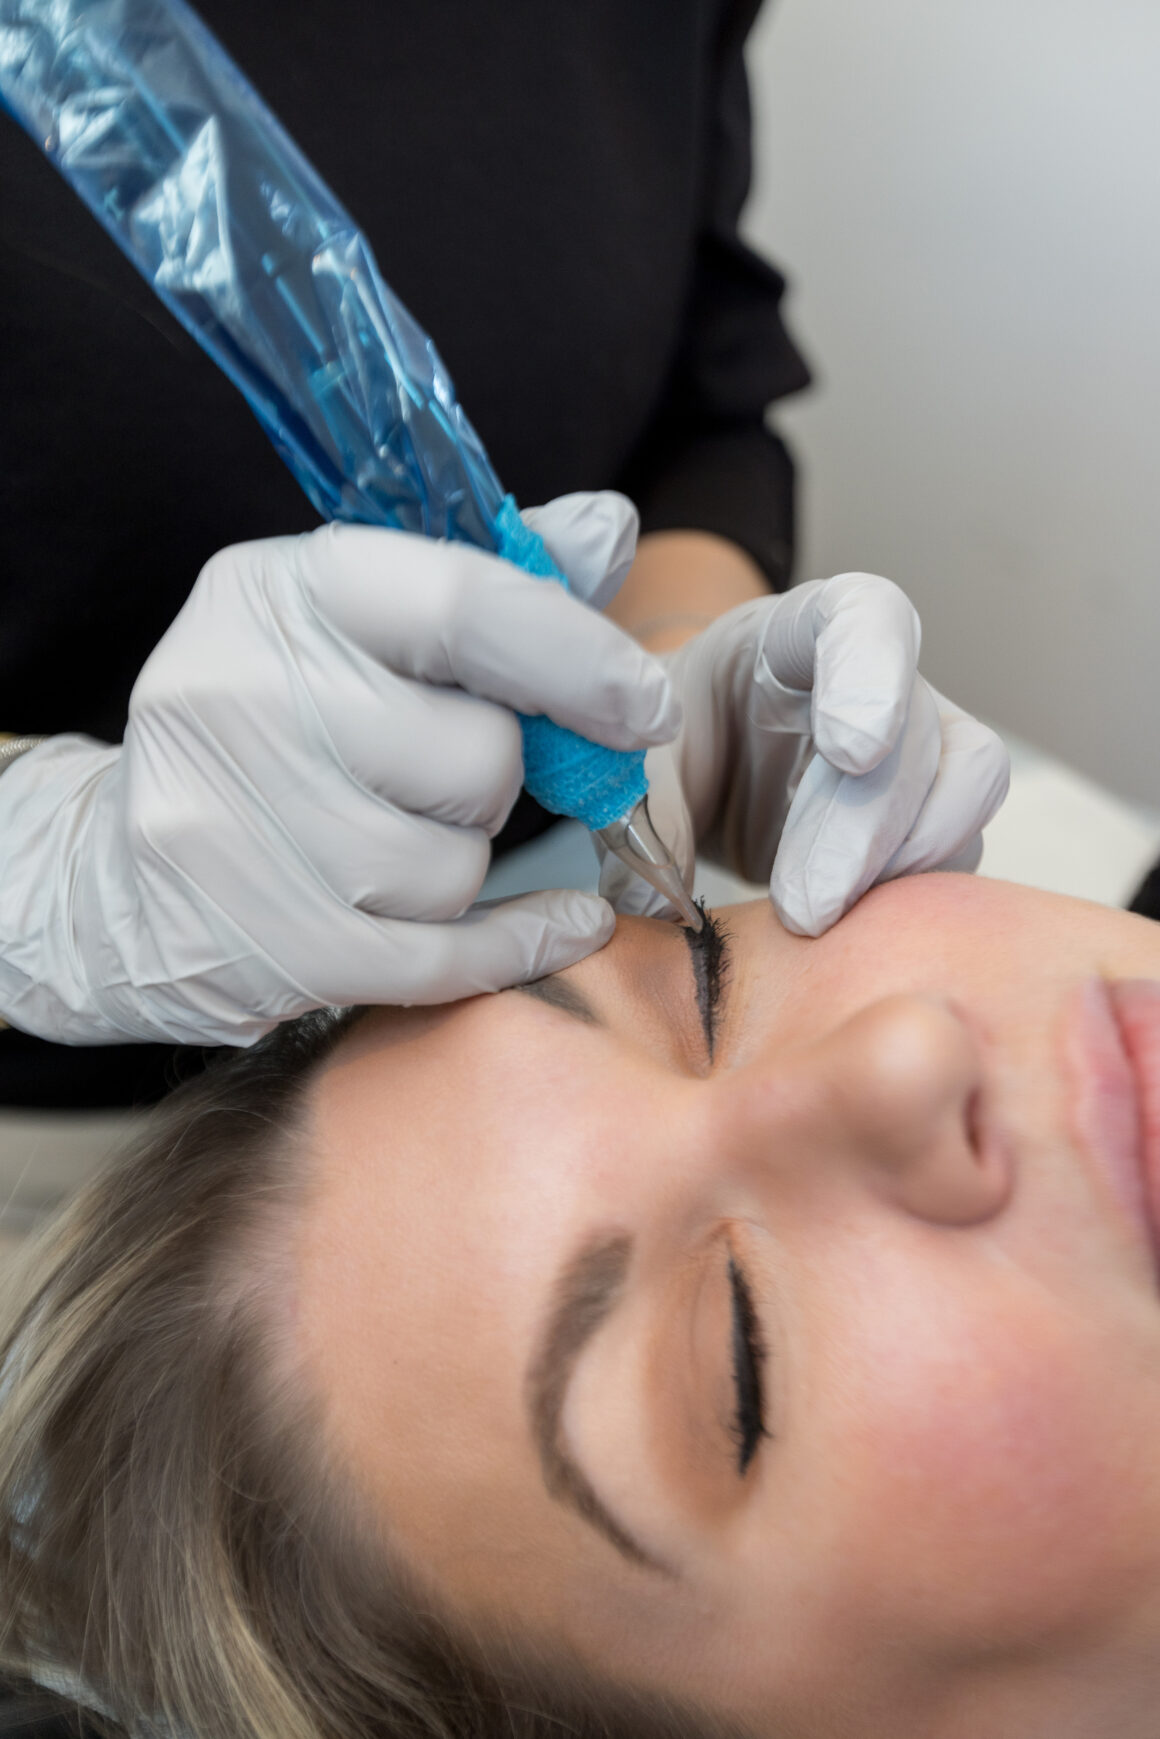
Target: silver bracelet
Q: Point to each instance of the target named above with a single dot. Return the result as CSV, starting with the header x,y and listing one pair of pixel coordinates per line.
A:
x,y
671,619
12,748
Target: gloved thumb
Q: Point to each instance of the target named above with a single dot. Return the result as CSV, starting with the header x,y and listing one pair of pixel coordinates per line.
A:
x,y
843,828
867,660
969,789
837,662
591,537
510,942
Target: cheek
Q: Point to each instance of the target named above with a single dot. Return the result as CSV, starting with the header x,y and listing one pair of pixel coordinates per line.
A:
x,y
984,1478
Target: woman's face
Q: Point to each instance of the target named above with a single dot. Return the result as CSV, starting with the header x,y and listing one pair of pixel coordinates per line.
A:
x,y
813,1373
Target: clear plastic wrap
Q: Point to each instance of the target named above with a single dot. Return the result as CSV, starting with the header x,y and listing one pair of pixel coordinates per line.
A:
x,y
176,154
147,117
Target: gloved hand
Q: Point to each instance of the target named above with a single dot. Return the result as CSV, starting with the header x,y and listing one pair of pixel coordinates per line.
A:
x,y
318,752
813,755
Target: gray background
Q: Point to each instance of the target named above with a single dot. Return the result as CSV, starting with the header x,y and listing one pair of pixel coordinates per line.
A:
x,y
966,194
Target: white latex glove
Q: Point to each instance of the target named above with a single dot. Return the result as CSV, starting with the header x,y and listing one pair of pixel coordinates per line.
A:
x,y
813,755
318,752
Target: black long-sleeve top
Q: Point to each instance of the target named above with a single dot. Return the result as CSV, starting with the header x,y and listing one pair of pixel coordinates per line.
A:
x,y
553,190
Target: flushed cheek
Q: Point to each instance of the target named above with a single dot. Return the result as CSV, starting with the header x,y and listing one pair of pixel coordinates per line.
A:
x,y
988,1483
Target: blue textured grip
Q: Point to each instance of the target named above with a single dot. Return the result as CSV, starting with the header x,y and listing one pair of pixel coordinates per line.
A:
x,y
563,771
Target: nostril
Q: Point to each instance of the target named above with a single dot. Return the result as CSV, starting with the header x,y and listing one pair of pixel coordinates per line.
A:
x,y
972,1124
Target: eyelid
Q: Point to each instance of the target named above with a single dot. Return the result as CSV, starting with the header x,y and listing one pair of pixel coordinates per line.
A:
x,y
690,1383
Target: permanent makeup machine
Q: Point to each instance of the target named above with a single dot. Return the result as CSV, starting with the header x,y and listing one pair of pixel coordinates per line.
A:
x,y
148,119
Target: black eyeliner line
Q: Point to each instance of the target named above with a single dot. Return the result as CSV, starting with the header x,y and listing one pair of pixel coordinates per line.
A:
x,y
709,948
748,1364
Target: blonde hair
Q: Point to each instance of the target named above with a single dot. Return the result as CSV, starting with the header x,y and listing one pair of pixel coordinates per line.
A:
x,y
171,1538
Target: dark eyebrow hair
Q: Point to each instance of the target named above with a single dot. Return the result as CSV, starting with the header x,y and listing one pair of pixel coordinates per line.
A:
x,y
709,948
557,994
587,1290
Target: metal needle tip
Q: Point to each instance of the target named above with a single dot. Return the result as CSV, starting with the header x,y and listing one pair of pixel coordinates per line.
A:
x,y
668,881
636,843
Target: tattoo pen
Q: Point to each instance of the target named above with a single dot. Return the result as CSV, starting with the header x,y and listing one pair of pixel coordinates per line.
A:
x,y
606,789
635,842
266,269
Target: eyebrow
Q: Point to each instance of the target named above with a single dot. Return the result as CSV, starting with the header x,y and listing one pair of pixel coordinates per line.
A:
x,y
710,954
559,994
709,948
586,1293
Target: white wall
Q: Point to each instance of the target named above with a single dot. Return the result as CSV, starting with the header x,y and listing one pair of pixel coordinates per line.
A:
x,y
966,194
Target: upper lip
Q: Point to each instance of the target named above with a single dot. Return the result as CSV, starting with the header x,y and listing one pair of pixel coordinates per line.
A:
x,y
1109,1107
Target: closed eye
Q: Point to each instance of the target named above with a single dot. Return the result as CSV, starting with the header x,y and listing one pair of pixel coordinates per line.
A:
x,y
748,1367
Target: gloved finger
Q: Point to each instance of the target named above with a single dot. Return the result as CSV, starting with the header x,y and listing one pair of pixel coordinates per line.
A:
x,y
966,861
971,784
591,537
328,837
452,615
489,948
434,751
627,892
843,828
406,866
852,644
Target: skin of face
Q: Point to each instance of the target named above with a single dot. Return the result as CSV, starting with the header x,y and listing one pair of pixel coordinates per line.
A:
x,y
952,1524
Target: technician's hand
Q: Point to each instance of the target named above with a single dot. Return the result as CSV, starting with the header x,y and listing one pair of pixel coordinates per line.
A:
x,y
318,753
813,754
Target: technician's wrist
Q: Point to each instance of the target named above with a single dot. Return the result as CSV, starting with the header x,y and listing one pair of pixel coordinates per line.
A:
x,y
670,630
680,582
60,763
67,903
13,744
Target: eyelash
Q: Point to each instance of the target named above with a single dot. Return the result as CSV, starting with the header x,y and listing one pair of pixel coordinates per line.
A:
x,y
748,1372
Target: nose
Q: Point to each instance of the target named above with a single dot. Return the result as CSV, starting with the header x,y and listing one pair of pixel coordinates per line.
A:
x,y
892,1101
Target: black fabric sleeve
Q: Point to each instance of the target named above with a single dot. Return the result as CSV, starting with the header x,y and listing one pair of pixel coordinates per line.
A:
x,y
708,461
1146,899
